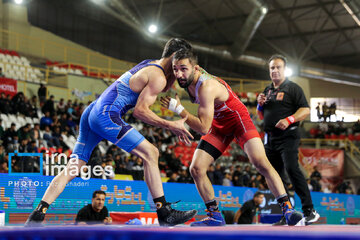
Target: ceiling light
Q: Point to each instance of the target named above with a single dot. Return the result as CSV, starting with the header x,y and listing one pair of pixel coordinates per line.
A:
x,y
153,28
264,10
18,1
288,72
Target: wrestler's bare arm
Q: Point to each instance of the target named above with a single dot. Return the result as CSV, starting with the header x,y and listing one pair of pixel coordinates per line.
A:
x,y
156,83
202,123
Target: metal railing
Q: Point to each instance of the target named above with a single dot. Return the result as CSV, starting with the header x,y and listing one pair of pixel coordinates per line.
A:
x,y
98,64
55,51
345,144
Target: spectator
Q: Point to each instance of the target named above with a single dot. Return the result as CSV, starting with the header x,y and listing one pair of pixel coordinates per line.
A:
x,y
138,169
218,175
46,121
211,174
184,176
4,167
227,179
1,130
61,107
95,212
4,104
237,177
42,91
49,106
173,177
10,135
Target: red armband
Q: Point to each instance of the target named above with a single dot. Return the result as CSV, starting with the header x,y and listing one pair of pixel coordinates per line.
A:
x,y
290,119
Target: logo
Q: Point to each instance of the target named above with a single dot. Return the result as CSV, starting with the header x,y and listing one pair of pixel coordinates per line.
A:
x,y
158,205
248,194
280,96
54,164
24,193
22,159
44,210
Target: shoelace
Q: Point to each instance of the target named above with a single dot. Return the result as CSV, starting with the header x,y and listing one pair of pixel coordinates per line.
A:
x,y
174,211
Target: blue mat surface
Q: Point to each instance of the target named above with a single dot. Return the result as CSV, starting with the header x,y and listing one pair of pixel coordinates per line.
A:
x,y
230,232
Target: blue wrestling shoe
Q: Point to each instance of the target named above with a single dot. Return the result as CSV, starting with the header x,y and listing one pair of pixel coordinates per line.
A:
x,y
214,219
293,217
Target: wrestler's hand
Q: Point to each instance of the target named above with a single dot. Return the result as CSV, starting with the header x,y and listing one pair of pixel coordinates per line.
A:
x,y
178,128
165,101
261,99
282,124
172,104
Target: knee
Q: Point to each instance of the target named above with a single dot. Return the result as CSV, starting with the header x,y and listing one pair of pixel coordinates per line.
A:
x,y
261,163
196,171
151,156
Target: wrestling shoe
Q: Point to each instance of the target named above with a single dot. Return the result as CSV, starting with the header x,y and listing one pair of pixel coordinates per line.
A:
x,y
35,219
281,222
214,219
294,218
170,217
311,216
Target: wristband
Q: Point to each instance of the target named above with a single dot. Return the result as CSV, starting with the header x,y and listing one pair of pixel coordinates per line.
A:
x,y
174,108
260,108
172,104
290,119
179,109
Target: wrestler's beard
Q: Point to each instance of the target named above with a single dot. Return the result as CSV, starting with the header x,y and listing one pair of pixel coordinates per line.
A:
x,y
189,80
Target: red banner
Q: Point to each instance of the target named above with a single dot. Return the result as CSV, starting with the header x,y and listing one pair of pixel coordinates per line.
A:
x,y
329,162
8,86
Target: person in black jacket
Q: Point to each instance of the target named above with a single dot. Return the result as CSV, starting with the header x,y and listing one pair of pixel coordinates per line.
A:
x,y
95,212
283,105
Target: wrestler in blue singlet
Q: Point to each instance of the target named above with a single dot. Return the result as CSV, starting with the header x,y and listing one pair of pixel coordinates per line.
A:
x,y
102,118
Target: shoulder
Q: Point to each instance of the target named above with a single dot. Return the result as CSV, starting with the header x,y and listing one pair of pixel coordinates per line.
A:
x,y
293,85
155,75
85,209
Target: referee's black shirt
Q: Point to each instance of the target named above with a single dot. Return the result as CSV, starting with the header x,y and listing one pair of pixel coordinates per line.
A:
x,y
280,103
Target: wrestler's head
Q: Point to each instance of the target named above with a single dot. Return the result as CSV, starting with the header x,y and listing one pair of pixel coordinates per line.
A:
x,y
184,66
173,45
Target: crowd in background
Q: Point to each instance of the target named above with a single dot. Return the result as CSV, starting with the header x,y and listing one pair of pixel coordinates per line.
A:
x,y
58,128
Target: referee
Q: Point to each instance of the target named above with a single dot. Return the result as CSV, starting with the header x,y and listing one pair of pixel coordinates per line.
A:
x,y
283,105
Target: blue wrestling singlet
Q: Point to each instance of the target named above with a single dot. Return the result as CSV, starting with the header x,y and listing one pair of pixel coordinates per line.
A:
x,y
102,118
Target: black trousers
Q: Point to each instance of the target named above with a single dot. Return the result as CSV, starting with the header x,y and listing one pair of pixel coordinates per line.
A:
x,y
282,153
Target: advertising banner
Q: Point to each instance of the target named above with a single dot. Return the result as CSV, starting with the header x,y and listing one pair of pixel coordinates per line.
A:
x,y
8,86
329,162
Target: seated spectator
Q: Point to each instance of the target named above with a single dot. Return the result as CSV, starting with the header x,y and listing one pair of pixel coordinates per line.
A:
x,y
184,176
138,170
4,167
4,104
173,177
46,121
96,212
9,135
1,130
227,179
61,107
24,132
49,106
237,177
48,137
